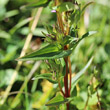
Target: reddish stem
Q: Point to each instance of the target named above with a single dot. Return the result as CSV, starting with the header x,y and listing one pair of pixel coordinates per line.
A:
x,y
61,89
66,82
70,73
66,78
67,105
60,22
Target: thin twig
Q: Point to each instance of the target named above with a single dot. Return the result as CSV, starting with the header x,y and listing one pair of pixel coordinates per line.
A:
x,y
61,89
27,42
16,92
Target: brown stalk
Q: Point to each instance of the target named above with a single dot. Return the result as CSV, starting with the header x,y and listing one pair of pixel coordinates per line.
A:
x,y
66,79
61,88
60,22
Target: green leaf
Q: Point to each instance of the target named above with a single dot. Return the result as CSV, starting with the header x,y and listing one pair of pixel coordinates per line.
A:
x,y
10,53
11,13
107,48
78,75
4,34
59,99
68,39
66,6
20,24
64,70
93,99
62,62
75,42
51,51
5,77
47,76
77,101
49,28
88,34
37,31
40,3
86,7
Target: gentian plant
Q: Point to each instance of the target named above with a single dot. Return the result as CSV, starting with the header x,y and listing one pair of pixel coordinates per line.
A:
x,y
61,40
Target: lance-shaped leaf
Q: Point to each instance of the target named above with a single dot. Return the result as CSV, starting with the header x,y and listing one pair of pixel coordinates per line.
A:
x,y
88,34
74,43
51,51
47,76
11,13
78,75
59,99
40,3
20,24
86,7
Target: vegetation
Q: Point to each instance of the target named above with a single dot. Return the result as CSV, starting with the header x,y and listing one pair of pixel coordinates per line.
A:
x,y
64,55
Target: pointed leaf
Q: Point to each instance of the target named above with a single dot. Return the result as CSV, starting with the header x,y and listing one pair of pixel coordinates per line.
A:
x,y
4,34
75,42
51,55
86,7
89,34
47,76
36,32
59,99
20,24
40,3
11,13
51,51
78,75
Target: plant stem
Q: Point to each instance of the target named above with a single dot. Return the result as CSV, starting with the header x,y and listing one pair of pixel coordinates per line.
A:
x,y
66,79
66,82
61,89
70,73
60,23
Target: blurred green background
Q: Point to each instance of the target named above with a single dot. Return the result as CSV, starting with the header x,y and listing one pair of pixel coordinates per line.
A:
x,y
14,28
